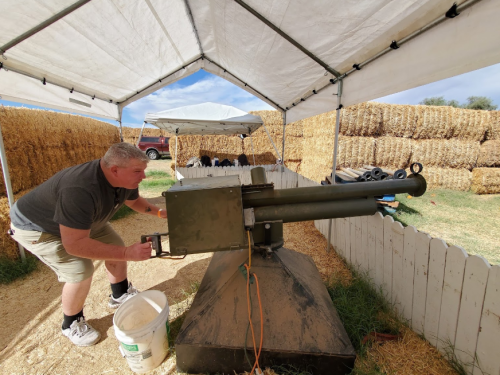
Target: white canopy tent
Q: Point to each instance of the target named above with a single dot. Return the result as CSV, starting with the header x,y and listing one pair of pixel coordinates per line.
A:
x,y
206,119
96,57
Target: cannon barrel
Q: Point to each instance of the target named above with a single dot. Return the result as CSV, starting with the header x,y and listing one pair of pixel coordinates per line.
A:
x,y
414,185
316,210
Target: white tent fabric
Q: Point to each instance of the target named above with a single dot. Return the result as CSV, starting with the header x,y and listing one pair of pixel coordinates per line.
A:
x,y
110,53
205,119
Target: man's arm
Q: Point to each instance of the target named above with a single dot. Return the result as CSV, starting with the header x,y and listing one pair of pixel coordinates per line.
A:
x,y
143,206
77,242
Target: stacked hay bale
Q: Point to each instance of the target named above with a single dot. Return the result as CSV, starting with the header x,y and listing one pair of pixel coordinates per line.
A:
x,y
446,140
131,135
449,142
230,147
486,178
486,181
38,144
358,126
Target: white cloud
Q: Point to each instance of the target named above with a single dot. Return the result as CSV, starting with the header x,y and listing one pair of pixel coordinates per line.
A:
x,y
209,89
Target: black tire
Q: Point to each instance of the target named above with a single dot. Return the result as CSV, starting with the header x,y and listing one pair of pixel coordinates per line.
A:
x,y
153,154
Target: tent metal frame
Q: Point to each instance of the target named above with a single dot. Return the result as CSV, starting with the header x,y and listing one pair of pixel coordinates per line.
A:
x,y
56,17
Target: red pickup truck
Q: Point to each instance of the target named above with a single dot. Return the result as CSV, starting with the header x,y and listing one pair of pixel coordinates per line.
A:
x,y
154,147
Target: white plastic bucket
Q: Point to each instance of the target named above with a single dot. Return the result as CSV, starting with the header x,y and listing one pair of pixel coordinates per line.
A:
x,y
141,327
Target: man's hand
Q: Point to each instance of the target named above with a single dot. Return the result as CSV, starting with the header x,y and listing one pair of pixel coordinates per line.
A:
x,y
138,251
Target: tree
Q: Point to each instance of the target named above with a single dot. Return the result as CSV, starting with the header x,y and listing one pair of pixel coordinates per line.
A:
x,y
480,102
473,102
454,103
435,100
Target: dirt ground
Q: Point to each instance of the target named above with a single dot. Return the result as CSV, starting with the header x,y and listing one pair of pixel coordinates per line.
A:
x,y
30,337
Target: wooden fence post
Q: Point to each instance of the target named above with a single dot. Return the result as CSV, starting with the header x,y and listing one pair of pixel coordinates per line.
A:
x,y
471,305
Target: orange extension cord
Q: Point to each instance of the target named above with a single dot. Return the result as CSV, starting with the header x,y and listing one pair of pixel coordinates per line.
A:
x,y
257,355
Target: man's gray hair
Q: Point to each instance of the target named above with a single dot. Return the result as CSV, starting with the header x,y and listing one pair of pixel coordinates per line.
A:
x,y
121,153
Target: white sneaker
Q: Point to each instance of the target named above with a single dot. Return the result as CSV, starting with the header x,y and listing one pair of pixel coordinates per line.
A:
x,y
114,303
81,333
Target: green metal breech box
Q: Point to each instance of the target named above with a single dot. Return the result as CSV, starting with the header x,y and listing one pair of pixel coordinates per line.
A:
x,y
205,215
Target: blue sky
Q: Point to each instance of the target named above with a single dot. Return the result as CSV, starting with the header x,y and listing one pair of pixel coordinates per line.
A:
x,y
203,87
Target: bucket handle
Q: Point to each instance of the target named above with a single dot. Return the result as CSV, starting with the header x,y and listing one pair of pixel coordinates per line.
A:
x,y
153,304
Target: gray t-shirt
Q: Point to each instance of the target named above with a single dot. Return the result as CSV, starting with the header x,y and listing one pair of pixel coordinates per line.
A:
x,y
78,197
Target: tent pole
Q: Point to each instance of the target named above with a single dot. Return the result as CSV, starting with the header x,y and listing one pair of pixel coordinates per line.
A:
x,y
335,150
121,131
337,127
8,186
140,134
275,149
253,152
283,147
176,142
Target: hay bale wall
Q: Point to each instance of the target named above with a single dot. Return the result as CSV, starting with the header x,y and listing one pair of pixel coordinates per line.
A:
x,y
489,154
386,135
486,180
38,144
393,152
493,130
447,178
230,147
131,135
447,141
452,153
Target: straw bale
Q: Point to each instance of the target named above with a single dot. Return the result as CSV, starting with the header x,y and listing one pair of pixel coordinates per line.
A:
x,y
489,154
362,119
493,130
273,120
231,147
269,117
469,124
353,152
393,152
436,122
486,180
445,153
131,135
399,120
39,143
447,178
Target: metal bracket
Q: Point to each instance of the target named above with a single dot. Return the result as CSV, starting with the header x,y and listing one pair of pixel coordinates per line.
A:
x,y
155,240
418,165
249,216
452,12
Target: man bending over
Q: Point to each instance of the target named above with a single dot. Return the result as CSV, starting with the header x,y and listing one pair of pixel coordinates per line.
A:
x,y
64,222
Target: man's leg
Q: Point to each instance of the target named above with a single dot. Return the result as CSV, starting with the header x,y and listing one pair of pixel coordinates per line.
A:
x,y
74,295
75,272
116,270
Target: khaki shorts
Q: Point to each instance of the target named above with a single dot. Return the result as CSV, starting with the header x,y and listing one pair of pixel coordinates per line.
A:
x,y
49,249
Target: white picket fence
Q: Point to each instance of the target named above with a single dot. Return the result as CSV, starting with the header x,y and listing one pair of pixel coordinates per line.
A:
x,y
450,297
281,180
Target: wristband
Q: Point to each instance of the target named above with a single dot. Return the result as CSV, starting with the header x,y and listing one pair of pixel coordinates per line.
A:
x,y
159,213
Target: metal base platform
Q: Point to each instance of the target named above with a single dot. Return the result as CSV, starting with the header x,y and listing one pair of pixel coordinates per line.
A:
x,y
301,325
